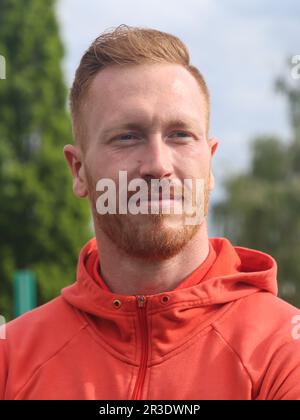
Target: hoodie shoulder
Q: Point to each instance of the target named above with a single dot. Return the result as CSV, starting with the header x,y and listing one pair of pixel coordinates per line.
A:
x,y
264,332
44,321
260,315
33,338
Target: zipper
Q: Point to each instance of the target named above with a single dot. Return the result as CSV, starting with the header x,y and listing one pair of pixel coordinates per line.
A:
x,y
141,304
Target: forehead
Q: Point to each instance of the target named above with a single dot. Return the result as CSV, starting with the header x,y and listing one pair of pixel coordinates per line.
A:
x,y
148,88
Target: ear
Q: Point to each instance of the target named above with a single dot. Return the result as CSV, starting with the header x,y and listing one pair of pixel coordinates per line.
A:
x,y
213,145
73,157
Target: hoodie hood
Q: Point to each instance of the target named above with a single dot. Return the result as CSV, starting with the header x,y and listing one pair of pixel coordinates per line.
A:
x,y
171,319
230,273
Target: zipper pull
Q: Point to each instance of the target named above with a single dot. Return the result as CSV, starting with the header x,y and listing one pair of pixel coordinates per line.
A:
x,y
141,301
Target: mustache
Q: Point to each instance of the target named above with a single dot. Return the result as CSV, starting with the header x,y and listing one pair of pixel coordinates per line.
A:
x,y
159,189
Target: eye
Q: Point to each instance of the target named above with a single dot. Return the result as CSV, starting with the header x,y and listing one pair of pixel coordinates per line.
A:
x,y
181,134
127,136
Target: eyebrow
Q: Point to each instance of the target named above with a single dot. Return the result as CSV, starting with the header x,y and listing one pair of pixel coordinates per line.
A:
x,y
175,122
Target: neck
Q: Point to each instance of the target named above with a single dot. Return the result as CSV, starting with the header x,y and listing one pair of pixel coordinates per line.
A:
x,y
133,276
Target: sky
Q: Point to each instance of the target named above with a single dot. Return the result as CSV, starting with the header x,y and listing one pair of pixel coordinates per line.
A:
x,y
240,47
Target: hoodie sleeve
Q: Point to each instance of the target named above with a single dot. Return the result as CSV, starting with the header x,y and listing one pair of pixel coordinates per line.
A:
x,y
282,379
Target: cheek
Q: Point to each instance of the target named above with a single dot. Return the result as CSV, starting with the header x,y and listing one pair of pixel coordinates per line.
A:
x,y
195,163
97,165
107,162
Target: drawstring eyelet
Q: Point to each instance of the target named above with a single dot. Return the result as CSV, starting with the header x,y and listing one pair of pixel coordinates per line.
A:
x,y
117,303
165,299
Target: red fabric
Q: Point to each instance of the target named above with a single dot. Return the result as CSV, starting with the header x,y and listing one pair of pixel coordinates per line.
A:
x,y
93,268
223,259
222,334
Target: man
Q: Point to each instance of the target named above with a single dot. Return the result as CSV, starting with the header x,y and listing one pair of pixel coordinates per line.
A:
x,y
159,310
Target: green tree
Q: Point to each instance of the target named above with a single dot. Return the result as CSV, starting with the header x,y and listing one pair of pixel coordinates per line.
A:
x,y
261,208
42,225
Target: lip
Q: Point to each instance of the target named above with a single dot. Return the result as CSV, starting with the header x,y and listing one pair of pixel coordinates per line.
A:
x,y
161,201
160,197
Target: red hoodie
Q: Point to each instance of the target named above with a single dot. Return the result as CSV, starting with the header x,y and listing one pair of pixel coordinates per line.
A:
x,y
222,334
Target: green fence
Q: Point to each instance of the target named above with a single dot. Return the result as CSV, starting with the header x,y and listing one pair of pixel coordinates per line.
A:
x,y
24,291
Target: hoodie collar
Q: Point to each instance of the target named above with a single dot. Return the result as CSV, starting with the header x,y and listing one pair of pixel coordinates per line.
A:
x,y
92,266
230,274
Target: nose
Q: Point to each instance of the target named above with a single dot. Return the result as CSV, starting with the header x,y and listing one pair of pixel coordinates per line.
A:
x,y
156,161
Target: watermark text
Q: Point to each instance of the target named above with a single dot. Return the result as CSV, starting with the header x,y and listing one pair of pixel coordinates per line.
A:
x,y
2,68
295,71
296,329
2,328
177,197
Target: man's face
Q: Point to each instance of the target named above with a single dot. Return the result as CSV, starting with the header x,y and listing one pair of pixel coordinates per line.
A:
x,y
150,121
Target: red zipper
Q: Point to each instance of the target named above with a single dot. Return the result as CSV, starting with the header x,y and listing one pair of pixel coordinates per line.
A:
x,y
141,303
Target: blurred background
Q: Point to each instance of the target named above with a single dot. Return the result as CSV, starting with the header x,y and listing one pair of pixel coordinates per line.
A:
x,y
249,54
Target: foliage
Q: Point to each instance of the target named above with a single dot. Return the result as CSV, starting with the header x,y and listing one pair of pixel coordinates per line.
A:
x,y
261,208
42,224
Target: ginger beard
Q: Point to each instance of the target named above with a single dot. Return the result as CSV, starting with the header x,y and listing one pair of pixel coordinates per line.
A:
x,y
152,237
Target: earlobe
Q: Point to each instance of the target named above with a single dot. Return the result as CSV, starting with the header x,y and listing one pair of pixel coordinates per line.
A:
x,y
73,158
